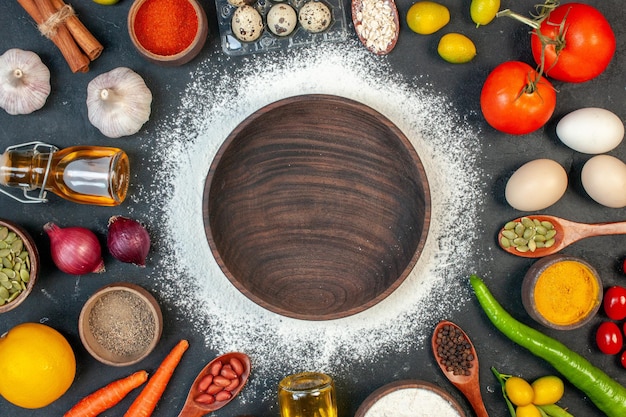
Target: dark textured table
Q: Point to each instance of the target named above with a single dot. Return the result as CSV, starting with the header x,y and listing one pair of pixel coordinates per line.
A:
x,y
57,298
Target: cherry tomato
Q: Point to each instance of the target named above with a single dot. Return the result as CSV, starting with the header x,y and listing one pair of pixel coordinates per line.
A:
x,y
529,410
615,303
515,99
609,338
580,44
623,359
518,391
548,390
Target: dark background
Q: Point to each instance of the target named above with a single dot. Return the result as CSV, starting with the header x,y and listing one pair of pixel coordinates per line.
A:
x,y
63,122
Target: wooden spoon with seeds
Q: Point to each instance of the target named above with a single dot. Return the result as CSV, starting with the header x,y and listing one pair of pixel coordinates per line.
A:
x,y
567,232
367,14
468,382
194,405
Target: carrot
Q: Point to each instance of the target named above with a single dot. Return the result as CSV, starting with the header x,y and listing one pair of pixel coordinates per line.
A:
x,y
107,396
146,401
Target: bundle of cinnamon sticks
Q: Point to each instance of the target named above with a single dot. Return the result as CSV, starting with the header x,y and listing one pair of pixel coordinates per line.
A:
x,y
58,22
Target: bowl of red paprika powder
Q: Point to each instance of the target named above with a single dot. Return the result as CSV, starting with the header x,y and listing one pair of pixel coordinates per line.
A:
x,y
168,32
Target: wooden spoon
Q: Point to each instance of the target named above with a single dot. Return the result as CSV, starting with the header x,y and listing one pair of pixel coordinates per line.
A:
x,y
467,384
567,232
361,17
194,408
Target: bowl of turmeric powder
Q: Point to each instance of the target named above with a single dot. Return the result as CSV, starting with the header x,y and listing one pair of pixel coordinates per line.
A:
x,y
562,292
168,32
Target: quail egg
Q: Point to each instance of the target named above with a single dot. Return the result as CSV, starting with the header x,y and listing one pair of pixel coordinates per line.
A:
x,y
282,19
315,16
247,23
239,3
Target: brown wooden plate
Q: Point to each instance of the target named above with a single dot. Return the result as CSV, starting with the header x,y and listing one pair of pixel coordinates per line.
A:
x,y
316,207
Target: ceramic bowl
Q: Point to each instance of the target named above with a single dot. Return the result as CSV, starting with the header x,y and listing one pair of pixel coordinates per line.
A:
x,y
33,259
179,58
410,396
316,207
570,315
120,324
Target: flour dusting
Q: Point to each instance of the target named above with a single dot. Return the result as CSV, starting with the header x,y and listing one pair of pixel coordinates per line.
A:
x,y
214,103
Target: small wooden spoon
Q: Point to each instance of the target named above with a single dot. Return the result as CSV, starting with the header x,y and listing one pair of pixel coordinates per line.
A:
x,y
567,232
360,18
193,408
468,384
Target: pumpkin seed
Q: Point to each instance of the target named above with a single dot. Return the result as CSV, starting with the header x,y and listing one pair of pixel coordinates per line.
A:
x,y
24,275
17,246
522,248
509,234
10,237
15,266
521,233
510,225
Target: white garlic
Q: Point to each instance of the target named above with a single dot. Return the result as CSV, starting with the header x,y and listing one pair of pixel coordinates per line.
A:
x,y
24,82
118,102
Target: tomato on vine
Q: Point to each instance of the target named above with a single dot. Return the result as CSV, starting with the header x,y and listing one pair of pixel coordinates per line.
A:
x,y
516,99
575,42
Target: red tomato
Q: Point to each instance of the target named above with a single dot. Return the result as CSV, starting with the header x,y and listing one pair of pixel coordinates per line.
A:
x,y
623,359
580,43
609,338
615,303
514,100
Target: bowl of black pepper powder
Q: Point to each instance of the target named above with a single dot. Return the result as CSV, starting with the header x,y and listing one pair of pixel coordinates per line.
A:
x,y
120,324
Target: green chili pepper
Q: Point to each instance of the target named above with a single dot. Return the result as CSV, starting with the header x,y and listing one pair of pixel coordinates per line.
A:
x,y
607,394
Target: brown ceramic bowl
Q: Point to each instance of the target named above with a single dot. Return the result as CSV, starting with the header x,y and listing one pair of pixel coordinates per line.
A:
x,y
570,316
410,395
176,59
33,258
316,207
120,324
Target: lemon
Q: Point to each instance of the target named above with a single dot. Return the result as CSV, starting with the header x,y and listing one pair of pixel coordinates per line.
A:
x,y
37,365
106,2
426,17
484,11
456,48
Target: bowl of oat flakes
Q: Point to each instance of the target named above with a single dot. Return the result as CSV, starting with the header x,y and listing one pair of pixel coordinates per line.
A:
x,y
120,324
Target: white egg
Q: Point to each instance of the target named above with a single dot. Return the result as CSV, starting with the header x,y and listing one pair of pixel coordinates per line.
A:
x,y
536,185
591,130
604,179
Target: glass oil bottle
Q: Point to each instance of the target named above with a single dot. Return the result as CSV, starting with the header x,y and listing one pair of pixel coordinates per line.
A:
x,y
82,174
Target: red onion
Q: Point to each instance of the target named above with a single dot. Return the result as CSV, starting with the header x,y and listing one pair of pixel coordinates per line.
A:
x,y
75,250
128,241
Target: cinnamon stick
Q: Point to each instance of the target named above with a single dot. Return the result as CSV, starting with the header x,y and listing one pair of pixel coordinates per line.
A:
x,y
85,40
40,11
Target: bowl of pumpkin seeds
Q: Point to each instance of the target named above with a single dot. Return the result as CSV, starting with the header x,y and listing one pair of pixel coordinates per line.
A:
x,y
19,259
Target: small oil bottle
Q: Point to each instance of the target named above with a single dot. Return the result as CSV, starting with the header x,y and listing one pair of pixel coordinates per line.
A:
x,y
82,174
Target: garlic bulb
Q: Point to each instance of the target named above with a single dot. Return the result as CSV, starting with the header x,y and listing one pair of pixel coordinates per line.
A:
x,y
24,82
118,102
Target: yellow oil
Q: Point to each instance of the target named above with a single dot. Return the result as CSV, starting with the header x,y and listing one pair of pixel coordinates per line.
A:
x,y
307,394
82,174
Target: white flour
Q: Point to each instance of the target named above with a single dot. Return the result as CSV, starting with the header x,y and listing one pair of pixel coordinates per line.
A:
x,y
412,402
212,106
